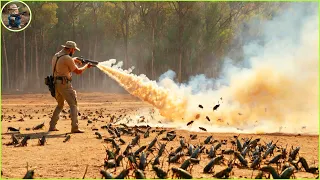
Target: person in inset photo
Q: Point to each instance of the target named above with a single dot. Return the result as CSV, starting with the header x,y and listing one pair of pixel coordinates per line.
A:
x,y
14,17
17,15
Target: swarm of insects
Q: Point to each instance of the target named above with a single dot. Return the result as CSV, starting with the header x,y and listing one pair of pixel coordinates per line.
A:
x,y
220,157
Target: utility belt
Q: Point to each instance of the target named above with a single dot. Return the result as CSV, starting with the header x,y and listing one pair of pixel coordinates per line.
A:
x,y
62,79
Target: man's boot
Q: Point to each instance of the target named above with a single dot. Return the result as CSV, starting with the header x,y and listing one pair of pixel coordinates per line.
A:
x,y
77,131
53,129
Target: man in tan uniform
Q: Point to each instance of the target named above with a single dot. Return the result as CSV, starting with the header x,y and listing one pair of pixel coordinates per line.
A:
x,y
62,66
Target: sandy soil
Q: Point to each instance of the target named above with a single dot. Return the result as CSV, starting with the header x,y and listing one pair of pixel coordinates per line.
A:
x,y
69,160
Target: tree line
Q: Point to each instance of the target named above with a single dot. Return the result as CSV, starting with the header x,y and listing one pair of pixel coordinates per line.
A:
x,y
187,37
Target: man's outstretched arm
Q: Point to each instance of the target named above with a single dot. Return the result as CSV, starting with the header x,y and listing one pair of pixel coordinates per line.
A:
x,y
82,69
74,68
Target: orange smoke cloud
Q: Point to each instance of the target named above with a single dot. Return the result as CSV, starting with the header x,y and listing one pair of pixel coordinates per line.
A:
x,y
278,92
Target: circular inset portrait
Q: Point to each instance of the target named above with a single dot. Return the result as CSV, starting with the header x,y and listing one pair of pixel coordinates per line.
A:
x,y
16,15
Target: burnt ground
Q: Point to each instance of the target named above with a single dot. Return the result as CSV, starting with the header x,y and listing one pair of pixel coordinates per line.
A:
x,y
69,160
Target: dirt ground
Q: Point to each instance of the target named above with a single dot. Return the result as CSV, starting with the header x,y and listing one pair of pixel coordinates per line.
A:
x,y
69,160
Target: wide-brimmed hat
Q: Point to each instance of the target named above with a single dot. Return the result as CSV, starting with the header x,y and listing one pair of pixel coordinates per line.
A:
x,y
71,44
13,7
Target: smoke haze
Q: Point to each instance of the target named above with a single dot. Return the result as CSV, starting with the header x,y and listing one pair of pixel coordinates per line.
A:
x,y
274,90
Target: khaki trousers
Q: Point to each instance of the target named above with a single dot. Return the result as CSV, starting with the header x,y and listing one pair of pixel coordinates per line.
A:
x,y
65,92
